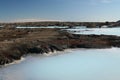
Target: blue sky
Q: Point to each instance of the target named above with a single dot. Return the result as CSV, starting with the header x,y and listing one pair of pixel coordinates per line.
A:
x,y
63,10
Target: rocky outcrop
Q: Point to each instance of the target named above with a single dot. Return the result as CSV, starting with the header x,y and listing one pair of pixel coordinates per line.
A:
x,y
14,43
95,41
15,52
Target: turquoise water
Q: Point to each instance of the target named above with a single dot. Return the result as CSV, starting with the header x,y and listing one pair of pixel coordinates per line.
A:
x,y
76,64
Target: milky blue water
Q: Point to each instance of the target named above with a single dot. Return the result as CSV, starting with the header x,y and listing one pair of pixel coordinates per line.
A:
x,y
76,64
42,27
97,31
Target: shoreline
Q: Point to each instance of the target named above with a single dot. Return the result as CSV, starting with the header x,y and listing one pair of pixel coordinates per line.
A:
x,y
56,53
15,43
14,62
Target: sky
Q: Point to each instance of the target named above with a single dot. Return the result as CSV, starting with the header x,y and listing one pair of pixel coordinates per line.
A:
x,y
60,10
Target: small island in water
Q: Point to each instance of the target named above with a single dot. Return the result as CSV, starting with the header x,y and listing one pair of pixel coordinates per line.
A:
x,y
17,42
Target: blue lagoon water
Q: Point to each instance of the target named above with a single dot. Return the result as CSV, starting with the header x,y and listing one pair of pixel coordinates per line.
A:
x,y
97,31
76,64
24,27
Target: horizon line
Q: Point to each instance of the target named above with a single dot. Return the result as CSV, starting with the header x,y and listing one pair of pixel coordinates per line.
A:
x,y
46,20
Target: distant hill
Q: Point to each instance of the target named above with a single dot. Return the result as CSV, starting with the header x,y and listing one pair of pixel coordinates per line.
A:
x,y
60,23
115,24
28,20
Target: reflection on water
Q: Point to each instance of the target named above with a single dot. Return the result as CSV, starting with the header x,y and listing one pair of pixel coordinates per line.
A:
x,y
79,64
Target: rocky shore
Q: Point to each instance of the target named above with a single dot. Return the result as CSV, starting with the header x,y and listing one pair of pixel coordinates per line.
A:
x,y
58,23
14,43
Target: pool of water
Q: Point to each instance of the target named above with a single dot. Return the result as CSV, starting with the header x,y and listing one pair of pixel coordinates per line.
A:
x,y
97,31
42,27
75,64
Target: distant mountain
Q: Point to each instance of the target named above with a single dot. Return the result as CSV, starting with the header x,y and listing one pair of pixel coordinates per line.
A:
x,y
27,20
116,24
118,21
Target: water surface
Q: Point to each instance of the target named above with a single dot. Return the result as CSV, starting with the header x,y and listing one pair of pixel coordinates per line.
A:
x,y
76,64
41,27
97,31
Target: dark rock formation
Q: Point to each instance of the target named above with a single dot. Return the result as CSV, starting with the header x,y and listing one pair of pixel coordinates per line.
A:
x,y
14,43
